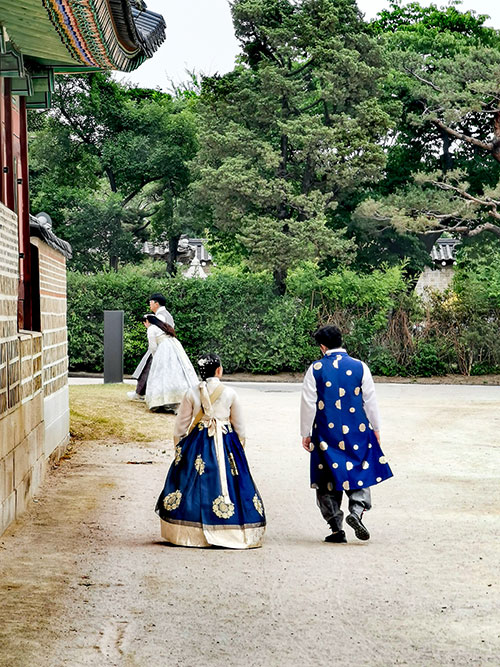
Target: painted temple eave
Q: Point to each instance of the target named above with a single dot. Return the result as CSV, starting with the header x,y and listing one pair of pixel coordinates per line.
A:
x,y
115,34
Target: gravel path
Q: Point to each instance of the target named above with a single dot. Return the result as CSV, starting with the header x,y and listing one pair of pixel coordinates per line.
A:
x,y
85,579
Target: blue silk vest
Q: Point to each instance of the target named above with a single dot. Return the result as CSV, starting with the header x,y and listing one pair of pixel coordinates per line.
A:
x,y
346,454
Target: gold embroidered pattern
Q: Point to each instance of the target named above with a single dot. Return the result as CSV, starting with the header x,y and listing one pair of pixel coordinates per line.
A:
x,y
341,392
222,508
317,365
357,390
257,503
199,465
172,501
323,445
362,428
345,486
321,405
178,454
232,463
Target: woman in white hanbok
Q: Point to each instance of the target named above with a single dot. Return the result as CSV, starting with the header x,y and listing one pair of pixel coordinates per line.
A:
x,y
171,371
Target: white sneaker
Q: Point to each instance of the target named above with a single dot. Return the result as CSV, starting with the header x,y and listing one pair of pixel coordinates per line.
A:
x,y
132,396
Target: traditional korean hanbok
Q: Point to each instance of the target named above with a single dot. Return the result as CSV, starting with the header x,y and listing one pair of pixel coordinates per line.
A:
x,y
209,496
346,454
141,373
171,372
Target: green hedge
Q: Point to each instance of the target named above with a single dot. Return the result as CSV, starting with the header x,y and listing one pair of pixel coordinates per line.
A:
x,y
237,315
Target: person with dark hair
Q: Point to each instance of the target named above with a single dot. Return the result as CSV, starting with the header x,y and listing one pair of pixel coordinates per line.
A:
x,y
340,428
157,303
209,497
157,306
171,371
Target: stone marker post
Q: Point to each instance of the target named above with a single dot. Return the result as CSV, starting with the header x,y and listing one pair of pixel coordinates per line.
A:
x,y
113,346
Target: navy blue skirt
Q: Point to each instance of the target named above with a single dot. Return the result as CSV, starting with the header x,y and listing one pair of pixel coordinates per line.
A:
x,y
197,509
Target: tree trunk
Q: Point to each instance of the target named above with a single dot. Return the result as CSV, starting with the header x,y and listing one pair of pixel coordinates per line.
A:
x,y
279,276
446,157
496,138
173,242
111,179
113,262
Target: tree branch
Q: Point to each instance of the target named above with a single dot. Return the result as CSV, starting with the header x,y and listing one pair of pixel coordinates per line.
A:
x,y
422,80
300,69
310,106
463,137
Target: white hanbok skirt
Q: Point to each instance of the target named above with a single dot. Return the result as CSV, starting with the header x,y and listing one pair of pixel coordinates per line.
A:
x,y
171,374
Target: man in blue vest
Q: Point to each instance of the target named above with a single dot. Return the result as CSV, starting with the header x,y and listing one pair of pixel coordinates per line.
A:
x,y
340,428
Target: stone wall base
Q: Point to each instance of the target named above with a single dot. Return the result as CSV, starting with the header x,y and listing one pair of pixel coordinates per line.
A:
x,y
29,443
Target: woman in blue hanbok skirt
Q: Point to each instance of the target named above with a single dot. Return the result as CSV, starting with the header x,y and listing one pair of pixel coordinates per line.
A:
x,y
210,498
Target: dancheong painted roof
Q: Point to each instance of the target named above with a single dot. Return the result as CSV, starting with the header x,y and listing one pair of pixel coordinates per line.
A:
x,y
78,35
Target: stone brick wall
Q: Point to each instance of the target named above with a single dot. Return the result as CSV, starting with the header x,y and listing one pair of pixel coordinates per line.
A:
x,y
34,406
52,266
434,279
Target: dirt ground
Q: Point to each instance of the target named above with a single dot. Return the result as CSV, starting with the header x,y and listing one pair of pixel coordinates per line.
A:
x,y
85,579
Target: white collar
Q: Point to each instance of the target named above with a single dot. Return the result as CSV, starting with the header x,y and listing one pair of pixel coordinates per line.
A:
x,y
336,349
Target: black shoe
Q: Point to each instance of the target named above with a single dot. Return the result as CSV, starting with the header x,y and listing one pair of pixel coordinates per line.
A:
x,y
336,538
360,530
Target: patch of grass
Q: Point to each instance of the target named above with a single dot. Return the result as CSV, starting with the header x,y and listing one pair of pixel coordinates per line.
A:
x,y
103,412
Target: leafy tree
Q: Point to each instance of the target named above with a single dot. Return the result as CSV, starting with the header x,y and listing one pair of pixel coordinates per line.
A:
x,y
107,162
444,164
294,129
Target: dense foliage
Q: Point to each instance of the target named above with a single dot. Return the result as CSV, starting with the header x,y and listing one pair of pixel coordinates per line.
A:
x,y
328,162
110,165
239,316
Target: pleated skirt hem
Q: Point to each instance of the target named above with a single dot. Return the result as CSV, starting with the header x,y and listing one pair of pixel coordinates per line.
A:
x,y
230,537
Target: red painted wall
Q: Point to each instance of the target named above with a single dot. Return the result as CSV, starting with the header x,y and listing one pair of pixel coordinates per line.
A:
x,y
14,192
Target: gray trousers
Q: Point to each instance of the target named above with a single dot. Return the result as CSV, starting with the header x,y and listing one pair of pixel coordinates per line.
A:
x,y
329,503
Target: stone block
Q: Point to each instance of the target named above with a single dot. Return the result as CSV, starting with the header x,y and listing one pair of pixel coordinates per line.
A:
x,y
39,470
21,461
6,476
35,444
23,493
9,432
7,512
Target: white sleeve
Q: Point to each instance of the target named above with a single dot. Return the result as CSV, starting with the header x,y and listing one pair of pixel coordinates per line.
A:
x,y
170,320
308,403
369,398
152,339
163,315
184,417
236,419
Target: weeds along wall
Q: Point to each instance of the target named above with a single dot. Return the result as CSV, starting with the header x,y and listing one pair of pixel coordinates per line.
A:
x,y
239,316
